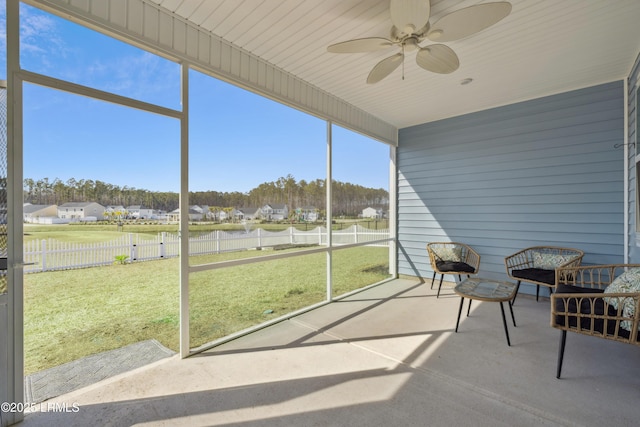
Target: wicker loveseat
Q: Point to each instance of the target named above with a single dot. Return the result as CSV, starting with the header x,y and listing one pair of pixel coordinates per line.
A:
x,y
452,258
597,300
538,265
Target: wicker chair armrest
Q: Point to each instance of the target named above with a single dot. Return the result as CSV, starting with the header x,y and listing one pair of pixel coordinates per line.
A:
x,y
585,321
432,257
519,260
473,258
591,276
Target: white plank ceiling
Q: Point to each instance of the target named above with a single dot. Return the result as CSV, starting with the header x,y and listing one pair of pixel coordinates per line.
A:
x,y
543,47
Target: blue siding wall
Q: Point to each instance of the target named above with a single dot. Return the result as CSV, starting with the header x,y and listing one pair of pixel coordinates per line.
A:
x,y
540,172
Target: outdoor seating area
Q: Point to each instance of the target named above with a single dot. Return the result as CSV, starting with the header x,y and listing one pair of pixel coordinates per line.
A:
x,y
596,300
385,356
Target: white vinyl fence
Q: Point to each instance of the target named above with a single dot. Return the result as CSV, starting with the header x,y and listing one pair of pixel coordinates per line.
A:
x,y
50,254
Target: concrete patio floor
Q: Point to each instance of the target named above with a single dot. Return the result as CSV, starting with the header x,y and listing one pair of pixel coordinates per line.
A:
x,y
387,356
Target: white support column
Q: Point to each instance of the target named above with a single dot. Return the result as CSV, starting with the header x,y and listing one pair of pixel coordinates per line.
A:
x,y
184,214
328,190
393,213
14,384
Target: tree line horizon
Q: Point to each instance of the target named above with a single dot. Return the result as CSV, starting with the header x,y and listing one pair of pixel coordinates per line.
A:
x,y
348,199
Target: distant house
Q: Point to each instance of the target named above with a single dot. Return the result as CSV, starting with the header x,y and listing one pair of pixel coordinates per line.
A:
x,y
219,214
247,214
275,212
206,212
196,213
204,209
308,213
222,216
34,213
81,211
114,212
160,215
138,212
372,213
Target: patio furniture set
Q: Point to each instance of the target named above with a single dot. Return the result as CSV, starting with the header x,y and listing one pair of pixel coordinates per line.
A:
x,y
596,300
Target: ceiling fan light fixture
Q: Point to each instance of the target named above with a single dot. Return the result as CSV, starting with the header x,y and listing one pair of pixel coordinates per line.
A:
x,y
435,35
408,30
410,44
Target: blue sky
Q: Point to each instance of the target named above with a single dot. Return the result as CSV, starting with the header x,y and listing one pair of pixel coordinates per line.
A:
x,y
237,139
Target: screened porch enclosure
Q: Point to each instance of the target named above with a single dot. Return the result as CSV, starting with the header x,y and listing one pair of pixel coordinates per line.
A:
x,y
214,291
551,164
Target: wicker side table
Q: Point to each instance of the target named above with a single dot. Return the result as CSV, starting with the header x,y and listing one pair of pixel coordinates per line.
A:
x,y
487,290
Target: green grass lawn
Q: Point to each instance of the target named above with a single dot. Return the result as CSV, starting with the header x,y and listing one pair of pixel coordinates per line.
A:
x,y
91,233
75,313
101,232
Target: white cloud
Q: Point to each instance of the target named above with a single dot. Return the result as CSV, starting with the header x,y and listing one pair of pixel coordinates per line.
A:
x,y
40,36
53,46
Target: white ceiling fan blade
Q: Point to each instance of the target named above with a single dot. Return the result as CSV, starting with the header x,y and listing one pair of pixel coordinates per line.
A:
x,y
409,12
467,21
384,68
438,58
368,44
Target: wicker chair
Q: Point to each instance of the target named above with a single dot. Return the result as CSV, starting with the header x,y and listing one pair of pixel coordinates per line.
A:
x,y
579,304
452,258
538,265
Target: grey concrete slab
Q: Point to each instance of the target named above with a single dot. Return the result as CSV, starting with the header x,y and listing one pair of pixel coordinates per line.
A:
x,y
386,356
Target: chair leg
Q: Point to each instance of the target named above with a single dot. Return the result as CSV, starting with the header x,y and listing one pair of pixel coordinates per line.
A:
x,y
537,291
563,341
469,308
459,312
432,279
440,285
504,322
512,316
513,301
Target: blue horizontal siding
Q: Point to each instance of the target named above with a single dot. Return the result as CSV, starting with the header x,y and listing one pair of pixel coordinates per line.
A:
x,y
541,172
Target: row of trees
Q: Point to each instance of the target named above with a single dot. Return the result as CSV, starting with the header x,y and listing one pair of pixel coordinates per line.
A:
x,y
348,199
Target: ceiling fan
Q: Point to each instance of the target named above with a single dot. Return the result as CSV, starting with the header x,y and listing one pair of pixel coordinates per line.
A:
x,y
410,19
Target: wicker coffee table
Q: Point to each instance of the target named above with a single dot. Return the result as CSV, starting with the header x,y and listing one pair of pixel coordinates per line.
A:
x,y
487,290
